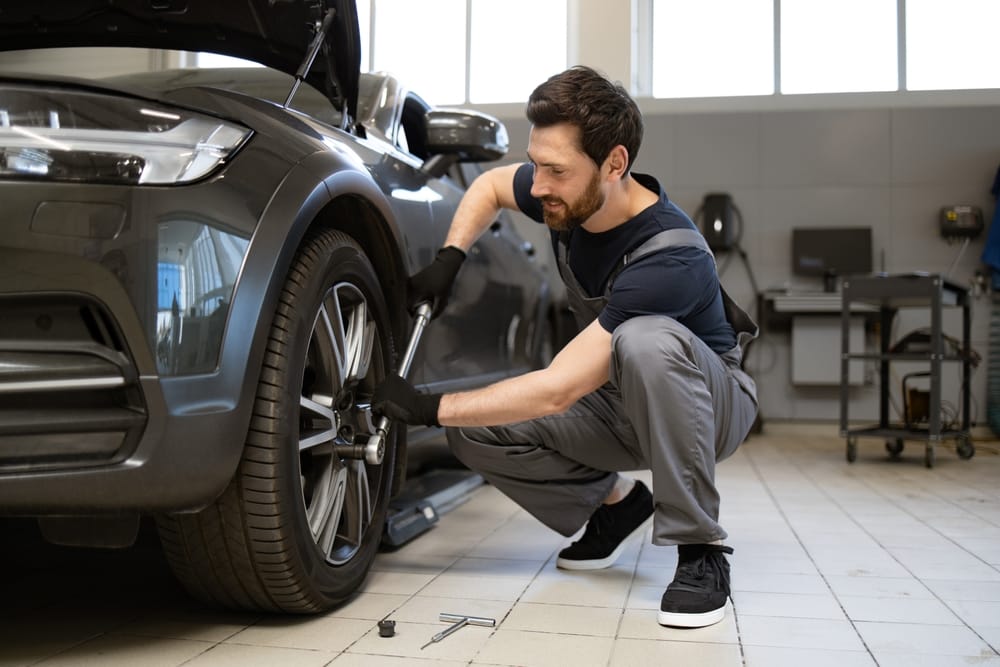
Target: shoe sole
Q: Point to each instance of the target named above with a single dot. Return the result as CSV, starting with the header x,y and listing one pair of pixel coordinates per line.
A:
x,y
680,620
608,561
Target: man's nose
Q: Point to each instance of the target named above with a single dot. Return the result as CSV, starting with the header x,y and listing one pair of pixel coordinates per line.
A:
x,y
539,188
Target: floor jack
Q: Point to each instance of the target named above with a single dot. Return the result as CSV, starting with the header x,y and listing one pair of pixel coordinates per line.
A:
x,y
420,502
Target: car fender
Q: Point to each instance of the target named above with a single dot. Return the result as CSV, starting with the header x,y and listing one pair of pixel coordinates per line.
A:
x,y
296,205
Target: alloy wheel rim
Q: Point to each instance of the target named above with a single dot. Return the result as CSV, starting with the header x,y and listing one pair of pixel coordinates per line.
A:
x,y
339,494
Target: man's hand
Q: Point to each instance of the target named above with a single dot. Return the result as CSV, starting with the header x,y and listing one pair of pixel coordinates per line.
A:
x,y
398,400
434,282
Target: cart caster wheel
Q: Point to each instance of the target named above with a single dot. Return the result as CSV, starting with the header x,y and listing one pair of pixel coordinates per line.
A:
x,y
965,449
852,450
929,456
894,447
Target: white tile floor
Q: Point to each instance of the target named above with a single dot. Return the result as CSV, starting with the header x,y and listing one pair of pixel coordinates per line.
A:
x,y
871,563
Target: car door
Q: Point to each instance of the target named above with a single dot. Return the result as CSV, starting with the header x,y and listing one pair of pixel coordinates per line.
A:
x,y
484,334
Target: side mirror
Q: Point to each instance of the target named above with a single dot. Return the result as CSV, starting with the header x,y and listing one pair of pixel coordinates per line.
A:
x,y
459,135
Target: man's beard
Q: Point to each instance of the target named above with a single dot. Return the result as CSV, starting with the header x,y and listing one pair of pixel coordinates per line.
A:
x,y
574,215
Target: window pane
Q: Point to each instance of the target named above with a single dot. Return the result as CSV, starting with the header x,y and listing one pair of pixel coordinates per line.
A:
x,y
840,46
952,44
433,66
502,73
706,48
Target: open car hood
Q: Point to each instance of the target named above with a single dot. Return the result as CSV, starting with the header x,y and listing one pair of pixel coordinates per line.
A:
x,y
275,33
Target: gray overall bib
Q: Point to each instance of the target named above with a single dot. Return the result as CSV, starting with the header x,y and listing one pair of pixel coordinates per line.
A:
x,y
671,405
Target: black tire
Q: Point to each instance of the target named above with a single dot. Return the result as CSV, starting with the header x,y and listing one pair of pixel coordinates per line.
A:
x,y
299,525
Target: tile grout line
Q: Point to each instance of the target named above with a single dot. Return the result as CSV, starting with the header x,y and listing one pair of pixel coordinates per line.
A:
x,y
894,503
781,512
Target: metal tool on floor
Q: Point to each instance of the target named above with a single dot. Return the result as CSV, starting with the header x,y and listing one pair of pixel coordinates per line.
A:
x,y
375,449
458,621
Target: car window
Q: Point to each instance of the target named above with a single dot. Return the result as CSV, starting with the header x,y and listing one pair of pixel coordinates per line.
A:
x,y
412,135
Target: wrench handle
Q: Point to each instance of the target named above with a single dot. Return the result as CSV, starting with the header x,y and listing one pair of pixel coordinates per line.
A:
x,y
423,317
373,450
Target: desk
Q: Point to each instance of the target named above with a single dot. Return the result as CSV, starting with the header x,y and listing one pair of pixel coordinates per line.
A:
x,y
780,306
814,321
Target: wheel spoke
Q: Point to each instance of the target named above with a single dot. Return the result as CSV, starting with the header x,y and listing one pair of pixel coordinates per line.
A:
x,y
321,408
362,496
355,332
326,519
333,327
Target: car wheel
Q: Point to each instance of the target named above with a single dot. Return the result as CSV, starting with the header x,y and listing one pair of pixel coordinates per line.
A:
x,y
299,525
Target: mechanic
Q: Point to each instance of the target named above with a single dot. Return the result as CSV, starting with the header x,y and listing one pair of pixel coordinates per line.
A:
x,y
653,379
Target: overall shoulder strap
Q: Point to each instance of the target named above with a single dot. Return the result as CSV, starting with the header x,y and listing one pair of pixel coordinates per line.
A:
x,y
666,239
741,322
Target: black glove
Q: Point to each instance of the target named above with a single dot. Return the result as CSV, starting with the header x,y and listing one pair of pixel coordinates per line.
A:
x,y
398,400
434,282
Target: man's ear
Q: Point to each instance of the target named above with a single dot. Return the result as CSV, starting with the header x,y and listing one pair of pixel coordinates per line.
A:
x,y
617,161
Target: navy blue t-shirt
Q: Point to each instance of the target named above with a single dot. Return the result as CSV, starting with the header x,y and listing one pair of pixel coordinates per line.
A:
x,y
680,281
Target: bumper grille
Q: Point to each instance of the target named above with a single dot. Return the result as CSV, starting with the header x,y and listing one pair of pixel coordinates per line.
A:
x,y
69,390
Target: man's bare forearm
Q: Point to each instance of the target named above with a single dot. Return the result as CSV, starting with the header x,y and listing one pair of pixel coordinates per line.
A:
x,y
579,368
513,400
480,206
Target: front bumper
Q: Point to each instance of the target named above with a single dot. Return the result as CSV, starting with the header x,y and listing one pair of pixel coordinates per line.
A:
x,y
86,423
112,397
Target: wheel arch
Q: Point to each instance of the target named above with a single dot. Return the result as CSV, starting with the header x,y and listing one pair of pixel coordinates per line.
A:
x,y
321,191
360,218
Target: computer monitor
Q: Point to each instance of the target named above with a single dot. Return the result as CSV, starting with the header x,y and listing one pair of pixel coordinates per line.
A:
x,y
831,252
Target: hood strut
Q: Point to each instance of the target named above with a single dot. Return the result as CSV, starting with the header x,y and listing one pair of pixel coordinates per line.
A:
x,y
306,65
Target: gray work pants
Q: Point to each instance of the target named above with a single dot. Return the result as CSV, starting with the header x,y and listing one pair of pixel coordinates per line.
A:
x,y
671,405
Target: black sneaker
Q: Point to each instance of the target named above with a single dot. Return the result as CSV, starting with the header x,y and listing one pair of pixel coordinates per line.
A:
x,y
697,595
608,530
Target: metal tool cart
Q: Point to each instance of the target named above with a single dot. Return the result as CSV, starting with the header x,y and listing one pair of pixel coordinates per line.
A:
x,y
890,293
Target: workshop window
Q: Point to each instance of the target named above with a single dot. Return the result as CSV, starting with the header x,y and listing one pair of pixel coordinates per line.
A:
x,y
480,51
710,48
715,48
838,47
952,45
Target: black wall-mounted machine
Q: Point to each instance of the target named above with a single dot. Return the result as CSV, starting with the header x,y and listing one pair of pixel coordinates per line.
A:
x,y
961,222
719,221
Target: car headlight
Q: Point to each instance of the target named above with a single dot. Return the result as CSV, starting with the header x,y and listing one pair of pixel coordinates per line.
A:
x,y
56,134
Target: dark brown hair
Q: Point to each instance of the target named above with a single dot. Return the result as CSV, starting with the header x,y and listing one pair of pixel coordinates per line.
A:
x,y
603,110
